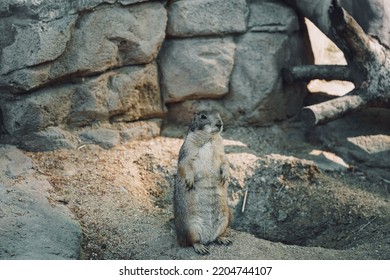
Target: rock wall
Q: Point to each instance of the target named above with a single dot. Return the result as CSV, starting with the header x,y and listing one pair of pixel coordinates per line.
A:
x,y
109,71
373,16
232,65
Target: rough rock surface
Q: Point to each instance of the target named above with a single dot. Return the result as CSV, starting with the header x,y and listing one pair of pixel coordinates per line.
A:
x,y
31,227
373,16
141,130
255,92
255,77
126,94
35,43
105,138
48,139
271,16
196,68
77,46
70,65
206,17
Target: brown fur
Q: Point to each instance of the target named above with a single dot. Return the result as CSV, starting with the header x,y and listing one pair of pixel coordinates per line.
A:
x,y
201,210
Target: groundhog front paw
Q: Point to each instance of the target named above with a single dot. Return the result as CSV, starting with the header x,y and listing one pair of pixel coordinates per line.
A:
x,y
186,176
224,175
189,181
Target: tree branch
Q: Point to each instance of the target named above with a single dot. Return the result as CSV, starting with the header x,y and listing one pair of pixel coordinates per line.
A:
x,y
348,35
335,108
306,73
368,63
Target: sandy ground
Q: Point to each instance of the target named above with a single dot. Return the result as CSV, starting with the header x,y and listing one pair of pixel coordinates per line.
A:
x,y
123,197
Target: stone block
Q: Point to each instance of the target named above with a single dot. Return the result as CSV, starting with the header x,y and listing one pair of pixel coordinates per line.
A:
x,y
127,94
196,68
35,112
257,93
34,43
272,16
140,130
190,18
105,138
49,139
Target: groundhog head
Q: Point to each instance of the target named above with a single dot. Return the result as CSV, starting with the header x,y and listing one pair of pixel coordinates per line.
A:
x,y
209,121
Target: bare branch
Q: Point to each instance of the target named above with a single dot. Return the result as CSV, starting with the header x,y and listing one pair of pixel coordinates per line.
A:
x,y
348,35
333,109
306,73
368,63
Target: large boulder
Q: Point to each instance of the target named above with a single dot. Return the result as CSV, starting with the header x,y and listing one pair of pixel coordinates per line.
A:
x,y
206,17
196,68
32,227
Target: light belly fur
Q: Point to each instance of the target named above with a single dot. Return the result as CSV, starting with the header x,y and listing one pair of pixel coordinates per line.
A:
x,y
208,191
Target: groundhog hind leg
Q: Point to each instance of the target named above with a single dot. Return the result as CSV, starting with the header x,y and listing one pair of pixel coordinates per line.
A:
x,y
195,241
188,236
222,239
194,237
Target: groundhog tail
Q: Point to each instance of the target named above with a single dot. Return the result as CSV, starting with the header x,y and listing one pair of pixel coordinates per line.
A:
x,y
184,238
183,242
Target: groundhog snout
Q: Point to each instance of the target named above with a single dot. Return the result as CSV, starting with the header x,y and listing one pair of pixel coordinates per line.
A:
x,y
219,124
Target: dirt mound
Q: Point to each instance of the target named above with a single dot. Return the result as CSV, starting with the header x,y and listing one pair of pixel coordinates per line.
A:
x,y
294,202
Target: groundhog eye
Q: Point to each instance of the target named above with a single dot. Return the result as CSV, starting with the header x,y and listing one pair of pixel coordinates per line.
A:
x,y
203,117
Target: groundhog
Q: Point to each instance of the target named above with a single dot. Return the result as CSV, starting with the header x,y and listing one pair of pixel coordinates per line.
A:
x,y
201,210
